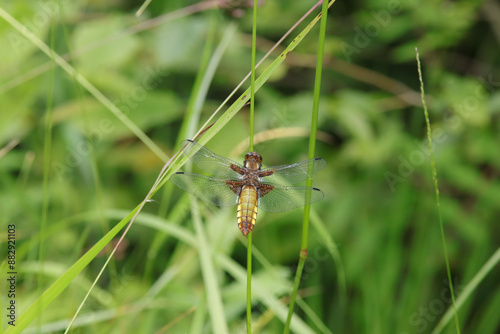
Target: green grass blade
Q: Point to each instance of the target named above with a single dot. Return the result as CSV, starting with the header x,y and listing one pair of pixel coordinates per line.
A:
x,y
199,316
214,298
143,7
312,316
493,262
332,249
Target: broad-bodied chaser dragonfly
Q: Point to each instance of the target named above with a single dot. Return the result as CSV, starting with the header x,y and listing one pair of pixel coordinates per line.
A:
x,y
249,186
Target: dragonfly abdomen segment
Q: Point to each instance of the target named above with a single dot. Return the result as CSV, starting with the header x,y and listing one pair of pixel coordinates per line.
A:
x,y
247,209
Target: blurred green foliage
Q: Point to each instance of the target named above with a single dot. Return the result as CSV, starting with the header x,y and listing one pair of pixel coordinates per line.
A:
x,y
379,205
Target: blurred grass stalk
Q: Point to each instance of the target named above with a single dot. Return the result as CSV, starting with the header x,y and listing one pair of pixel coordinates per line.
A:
x,y
47,149
312,147
436,188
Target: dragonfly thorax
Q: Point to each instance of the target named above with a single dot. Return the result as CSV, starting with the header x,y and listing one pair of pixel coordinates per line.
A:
x,y
253,160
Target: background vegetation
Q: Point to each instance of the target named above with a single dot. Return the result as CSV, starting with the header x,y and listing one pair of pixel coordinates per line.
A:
x,y
386,271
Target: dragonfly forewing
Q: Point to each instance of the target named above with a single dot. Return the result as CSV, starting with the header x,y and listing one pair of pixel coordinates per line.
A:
x,y
283,198
208,161
208,189
294,173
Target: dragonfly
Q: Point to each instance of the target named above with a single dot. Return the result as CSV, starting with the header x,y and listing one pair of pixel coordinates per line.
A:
x,y
248,185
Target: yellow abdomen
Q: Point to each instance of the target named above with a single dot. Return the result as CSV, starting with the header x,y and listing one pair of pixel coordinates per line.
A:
x,y
247,209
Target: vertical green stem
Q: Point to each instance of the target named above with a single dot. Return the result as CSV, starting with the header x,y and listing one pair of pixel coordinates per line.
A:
x,y
312,147
436,188
252,78
252,112
249,283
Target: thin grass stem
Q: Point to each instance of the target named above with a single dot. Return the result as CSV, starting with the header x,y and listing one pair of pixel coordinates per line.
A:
x,y
250,144
252,77
312,148
249,283
436,188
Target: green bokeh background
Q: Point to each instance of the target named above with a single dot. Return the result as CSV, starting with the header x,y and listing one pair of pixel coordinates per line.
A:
x,y
379,207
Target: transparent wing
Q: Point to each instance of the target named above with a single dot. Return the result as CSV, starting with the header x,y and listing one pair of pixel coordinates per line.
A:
x,y
294,173
208,189
283,198
208,161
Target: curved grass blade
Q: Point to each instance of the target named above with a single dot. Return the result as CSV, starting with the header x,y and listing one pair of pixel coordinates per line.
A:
x,y
209,272
332,249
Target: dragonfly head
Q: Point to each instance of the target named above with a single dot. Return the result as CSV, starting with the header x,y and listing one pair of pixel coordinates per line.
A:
x,y
253,160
